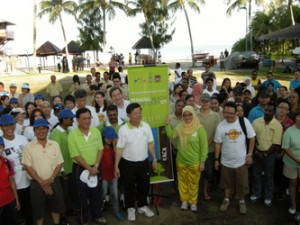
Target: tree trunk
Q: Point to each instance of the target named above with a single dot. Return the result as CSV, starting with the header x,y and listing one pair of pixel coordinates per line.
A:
x,y
190,32
292,12
150,36
250,24
34,34
65,40
104,27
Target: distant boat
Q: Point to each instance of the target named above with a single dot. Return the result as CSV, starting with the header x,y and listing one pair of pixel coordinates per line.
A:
x,y
200,56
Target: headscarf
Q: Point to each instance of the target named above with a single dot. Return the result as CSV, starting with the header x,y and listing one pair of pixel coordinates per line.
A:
x,y
249,86
197,92
183,130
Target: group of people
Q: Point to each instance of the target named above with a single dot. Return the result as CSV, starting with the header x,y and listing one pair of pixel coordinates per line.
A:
x,y
252,125
69,152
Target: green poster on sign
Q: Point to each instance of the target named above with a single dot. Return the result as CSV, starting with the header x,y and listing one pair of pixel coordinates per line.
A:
x,y
148,86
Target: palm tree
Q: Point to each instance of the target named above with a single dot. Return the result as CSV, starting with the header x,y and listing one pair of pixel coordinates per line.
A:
x,y
147,8
289,3
55,8
195,6
241,4
34,34
107,8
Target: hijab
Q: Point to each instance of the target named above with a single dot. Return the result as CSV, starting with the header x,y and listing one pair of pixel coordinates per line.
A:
x,y
184,130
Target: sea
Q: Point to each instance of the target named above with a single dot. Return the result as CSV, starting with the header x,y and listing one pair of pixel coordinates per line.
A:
x,y
168,53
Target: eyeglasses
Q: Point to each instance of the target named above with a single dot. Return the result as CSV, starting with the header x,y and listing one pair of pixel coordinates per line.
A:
x,y
292,97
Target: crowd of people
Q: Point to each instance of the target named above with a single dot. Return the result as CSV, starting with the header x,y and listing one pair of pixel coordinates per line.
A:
x,y
79,152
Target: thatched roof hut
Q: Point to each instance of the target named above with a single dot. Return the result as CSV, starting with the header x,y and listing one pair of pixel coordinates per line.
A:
x,y
288,33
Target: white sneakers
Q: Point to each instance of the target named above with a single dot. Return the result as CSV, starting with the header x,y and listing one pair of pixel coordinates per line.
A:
x,y
131,214
184,205
146,211
142,210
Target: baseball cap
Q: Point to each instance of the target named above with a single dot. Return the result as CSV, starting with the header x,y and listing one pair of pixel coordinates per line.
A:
x,y
25,86
91,181
58,106
12,85
109,133
7,119
66,113
40,123
205,96
13,100
39,96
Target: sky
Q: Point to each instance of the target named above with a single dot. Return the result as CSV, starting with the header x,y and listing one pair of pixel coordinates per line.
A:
x,y
212,27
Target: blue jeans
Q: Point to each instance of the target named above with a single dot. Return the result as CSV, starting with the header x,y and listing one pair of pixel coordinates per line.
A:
x,y
83,193
266,164
112,185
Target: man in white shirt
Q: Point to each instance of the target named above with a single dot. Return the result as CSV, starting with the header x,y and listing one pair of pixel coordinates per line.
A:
x,y
131,160
177,72
230,144
117,99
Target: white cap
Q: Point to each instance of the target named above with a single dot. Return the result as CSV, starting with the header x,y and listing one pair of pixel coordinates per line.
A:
x,y
91,181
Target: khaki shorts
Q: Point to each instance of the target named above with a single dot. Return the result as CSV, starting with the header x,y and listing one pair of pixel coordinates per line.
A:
x,y
291,172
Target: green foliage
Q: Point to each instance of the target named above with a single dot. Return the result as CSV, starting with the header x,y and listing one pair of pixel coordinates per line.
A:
x,y
90,30
160,23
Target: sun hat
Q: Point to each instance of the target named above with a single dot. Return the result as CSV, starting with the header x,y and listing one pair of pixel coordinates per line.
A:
x,y
91,181
13,100
66,113
12,85
7,119
40,123
25,86
109,133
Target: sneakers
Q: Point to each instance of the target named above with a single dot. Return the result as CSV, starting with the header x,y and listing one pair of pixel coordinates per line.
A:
x,y
292,211
194,207
131,214
184,206
243,209
224,205
146,211
268,202
100,220
119,216
253,198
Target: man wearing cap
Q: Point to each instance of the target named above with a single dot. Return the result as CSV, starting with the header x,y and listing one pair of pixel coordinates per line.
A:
x,y
46,109
54,88
14,146
19,115
25,96
38,100
60,135
85,146
258,111
210,120
131,160
13,102
43,160
13,91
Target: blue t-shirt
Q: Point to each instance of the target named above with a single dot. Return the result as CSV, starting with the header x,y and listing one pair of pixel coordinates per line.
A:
x,y
294,84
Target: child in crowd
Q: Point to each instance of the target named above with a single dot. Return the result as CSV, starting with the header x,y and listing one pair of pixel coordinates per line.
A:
x,y
107,169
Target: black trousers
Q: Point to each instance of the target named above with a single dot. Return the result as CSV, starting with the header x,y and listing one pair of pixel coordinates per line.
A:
x,y
25,202
136,181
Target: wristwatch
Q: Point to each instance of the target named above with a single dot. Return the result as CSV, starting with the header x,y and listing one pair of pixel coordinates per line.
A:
x,y
249,154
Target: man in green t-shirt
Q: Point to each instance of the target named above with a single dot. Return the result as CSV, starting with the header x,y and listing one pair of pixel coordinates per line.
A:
x,y
85,146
